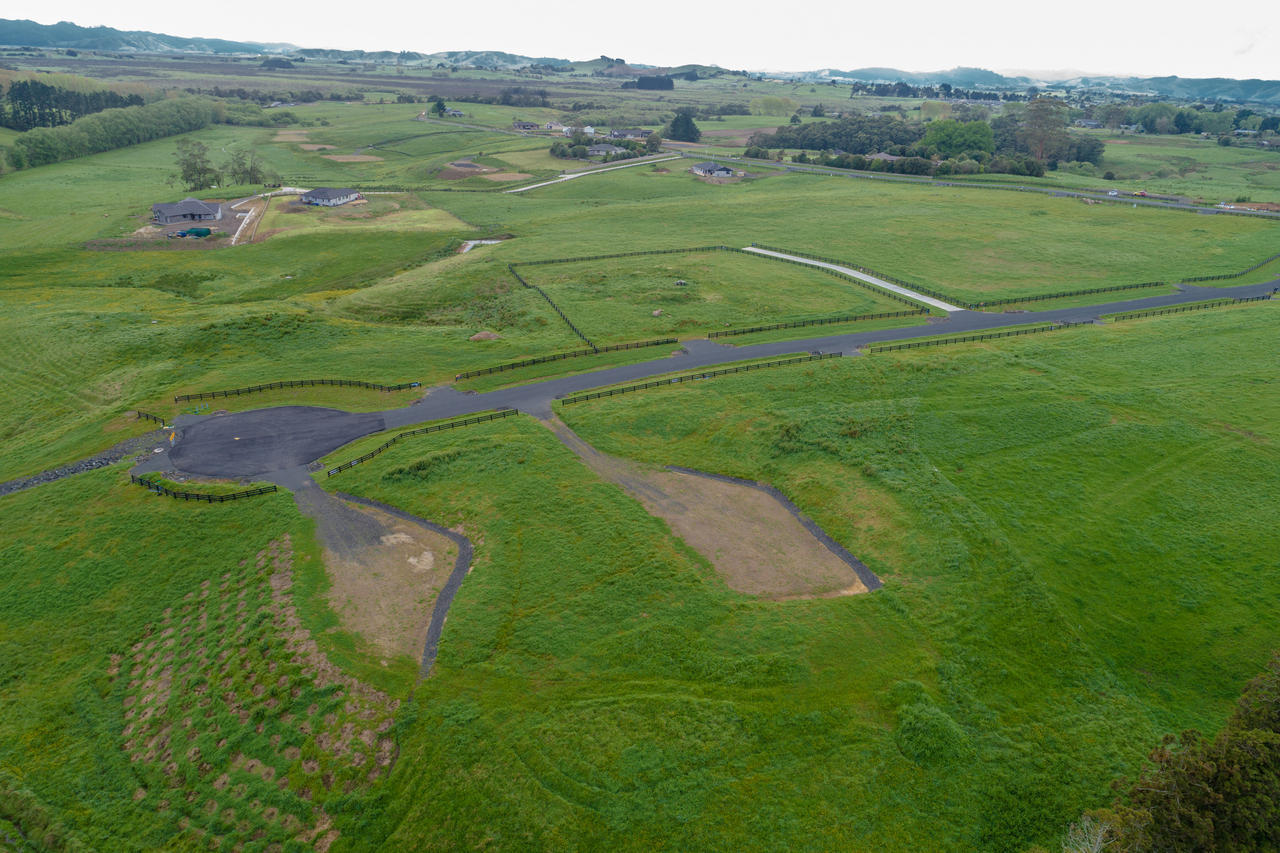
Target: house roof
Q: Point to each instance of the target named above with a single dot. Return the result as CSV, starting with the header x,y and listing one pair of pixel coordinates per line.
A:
x,y
711,167
329,193
186,207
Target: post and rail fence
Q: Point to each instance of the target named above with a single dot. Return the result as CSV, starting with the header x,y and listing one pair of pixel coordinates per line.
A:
x,y
693,377
198,496
478,419
293,383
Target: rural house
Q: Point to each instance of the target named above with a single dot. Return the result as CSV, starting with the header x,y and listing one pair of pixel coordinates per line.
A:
x,y
187,210
329,197
586,131
603,149
630,133
711,170
524,125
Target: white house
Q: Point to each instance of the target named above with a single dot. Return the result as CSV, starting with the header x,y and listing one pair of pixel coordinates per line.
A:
x,y
586,131
711,170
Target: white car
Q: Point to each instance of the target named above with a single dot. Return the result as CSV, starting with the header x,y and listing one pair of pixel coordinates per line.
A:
x,y
1113,192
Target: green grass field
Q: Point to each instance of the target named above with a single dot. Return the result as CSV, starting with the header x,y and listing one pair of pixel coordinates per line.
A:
x,y
615,300
1075,530
1011,658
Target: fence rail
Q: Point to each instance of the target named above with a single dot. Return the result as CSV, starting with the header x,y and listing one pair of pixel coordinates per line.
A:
x,y
293,383
1062,294
1195,306
693,377
197,496
478,419
147,416
560,356
1228,275
960,339
563,316
821,321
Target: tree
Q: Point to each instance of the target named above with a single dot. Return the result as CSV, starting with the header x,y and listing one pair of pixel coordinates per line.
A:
x,y
1044,127
195,171
950,138
1221,794
818,111
652,143
244,168
682,128
438,107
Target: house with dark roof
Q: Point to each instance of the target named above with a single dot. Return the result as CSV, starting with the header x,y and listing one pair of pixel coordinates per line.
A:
x,y
329,197
525,125
187,210
603,149
711,170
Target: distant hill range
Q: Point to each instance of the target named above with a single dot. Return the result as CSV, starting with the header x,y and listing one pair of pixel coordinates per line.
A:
x,y
1187,88
70,36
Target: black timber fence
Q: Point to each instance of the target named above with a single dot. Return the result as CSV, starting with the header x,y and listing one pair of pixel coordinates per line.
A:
x,y
694,377
197,496
1062,294
560,356
821,321
865,270
1230,275
563,316
478,419
147,416
1194,306
293,383
961,339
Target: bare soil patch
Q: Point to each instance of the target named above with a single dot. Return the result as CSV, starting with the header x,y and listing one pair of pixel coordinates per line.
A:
x,y
385,589
352,158
313,146
507,176
290,136
751,539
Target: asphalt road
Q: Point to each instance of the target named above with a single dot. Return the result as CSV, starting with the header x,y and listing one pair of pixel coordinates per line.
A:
x,y
277,444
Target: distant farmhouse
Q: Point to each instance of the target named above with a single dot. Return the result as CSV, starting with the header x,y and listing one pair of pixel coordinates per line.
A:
x,y
187,210
603,149
1091,124
712,170
329,197
630,133
588,130
525,125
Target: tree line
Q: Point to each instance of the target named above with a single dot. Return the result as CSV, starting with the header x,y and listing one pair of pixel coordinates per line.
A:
x,y
1033,140
109,129
32,103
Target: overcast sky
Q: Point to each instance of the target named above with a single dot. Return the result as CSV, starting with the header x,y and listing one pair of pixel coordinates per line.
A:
x,y
1230,38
